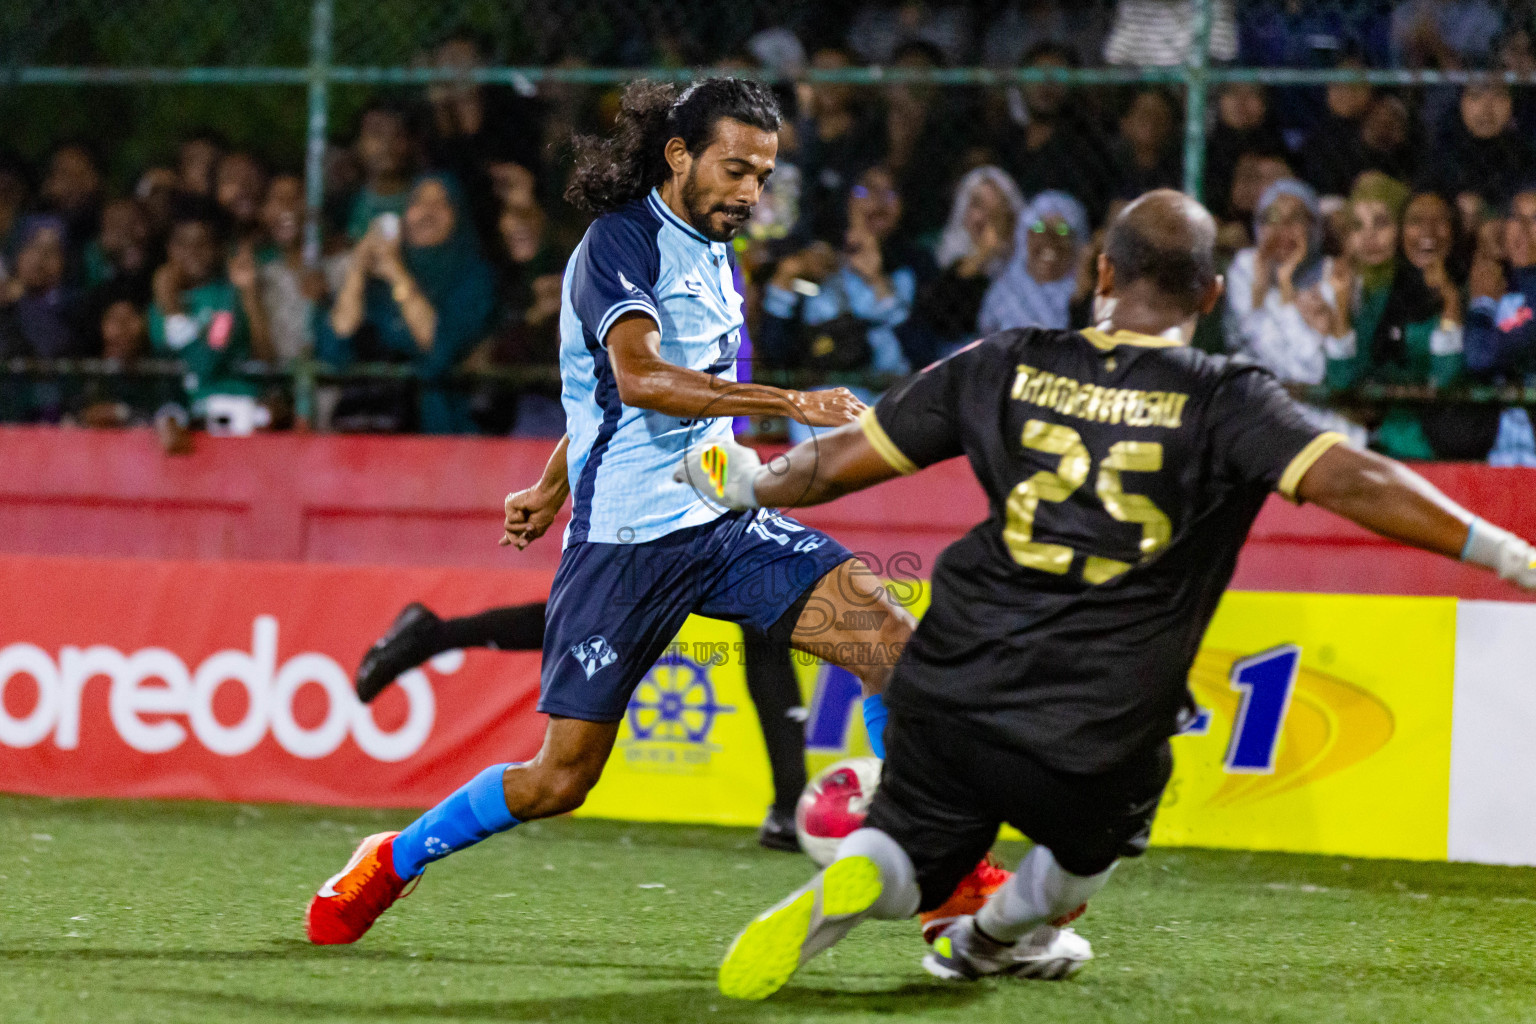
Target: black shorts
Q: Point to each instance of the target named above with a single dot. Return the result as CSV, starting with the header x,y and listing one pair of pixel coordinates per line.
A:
x,y
947,787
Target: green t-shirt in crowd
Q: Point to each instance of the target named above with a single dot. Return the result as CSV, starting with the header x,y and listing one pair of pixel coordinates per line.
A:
x,y
1401,433
210,335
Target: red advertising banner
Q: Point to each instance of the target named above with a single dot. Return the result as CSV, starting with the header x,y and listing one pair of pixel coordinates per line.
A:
x,y
232,681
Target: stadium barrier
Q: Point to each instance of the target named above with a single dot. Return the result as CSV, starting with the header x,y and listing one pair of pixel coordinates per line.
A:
x,y
434,501
1378,726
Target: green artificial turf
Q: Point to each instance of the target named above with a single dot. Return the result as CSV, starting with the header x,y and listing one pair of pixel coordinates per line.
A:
x,y
193,912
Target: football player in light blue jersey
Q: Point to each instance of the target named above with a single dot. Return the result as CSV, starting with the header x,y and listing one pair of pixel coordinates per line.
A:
x,y
650,325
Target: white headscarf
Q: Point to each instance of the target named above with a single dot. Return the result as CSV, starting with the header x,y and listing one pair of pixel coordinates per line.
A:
x,y
1017,299
955,243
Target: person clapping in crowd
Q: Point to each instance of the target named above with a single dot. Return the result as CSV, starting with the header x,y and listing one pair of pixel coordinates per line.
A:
x,y
973,252
1429,236
526,330
1273,285
838,312
1382,321
1263,320
205,312
39,305
1390,324
289,288
421,289
530,286
1038,286
38,320
1501,321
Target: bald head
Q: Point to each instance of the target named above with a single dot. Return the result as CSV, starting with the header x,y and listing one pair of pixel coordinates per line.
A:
x,y
1166,241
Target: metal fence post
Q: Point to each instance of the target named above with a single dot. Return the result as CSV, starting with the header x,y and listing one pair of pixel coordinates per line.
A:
x,y
319,122
1196,85
314,174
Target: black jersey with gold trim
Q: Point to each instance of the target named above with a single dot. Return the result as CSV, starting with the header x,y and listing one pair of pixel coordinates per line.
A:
x,y
1122,473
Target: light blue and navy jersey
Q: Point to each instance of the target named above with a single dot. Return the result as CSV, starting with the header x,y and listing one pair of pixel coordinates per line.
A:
x,y
640,259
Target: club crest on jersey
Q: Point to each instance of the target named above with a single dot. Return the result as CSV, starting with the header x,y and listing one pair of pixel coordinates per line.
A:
x,y
714,461
594,653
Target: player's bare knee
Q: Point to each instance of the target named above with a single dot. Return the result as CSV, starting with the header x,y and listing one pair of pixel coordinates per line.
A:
x,y
566,789
538,790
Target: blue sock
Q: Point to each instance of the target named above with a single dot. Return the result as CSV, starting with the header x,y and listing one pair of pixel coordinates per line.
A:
x,y
476,810
875,715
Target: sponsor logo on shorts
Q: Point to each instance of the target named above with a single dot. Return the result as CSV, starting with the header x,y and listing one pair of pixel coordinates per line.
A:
x,y
594,653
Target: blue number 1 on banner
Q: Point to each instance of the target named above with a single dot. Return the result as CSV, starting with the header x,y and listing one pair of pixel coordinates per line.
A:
x,y
1266,681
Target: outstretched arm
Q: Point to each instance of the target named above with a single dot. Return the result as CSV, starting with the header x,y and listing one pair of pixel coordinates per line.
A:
x,y
647,381
827,466
1392,500
530,511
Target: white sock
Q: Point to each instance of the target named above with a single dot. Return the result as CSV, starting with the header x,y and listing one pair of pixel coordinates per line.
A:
x,y
1038,892
898,878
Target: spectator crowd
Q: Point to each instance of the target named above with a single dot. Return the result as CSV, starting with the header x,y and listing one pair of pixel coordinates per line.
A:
x,y
1369,235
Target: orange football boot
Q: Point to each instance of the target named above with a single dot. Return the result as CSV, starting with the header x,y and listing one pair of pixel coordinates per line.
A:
x,y
984,880
347,905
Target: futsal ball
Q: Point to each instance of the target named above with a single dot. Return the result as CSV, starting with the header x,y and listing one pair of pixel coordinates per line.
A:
x,y
834,804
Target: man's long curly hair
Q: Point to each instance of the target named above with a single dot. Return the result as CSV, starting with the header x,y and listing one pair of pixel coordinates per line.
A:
x,y
616,170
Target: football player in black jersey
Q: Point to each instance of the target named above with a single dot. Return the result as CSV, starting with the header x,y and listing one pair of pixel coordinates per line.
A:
x,y
1123,470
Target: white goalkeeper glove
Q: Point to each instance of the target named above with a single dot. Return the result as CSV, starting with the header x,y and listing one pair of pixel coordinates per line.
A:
x,y
1503,552
723,472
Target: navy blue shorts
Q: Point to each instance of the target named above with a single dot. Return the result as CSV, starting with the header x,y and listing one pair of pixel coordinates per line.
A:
x,y
614,608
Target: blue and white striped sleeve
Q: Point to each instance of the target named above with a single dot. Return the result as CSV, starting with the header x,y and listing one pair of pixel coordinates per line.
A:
x,y
614,274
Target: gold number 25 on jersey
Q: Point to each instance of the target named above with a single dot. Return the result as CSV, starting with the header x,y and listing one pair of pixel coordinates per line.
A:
x,y
1070,474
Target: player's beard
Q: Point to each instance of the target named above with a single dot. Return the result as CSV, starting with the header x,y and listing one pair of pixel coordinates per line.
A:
x,y
699,213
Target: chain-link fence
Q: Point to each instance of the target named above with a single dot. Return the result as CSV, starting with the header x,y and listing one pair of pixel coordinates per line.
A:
x,y
1099,99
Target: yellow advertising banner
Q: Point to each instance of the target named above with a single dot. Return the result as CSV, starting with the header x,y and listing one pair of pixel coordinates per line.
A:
x,y
1325,727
